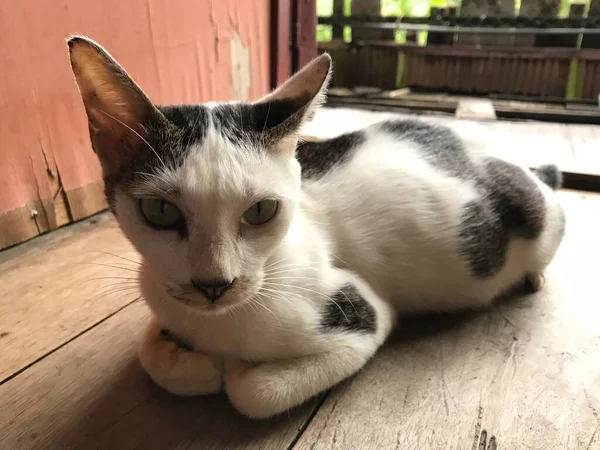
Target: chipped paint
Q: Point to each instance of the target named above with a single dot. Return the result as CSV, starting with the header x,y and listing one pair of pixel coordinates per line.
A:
x,y
179,52
240,70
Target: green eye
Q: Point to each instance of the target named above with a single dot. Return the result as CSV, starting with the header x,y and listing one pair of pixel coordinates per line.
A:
x,y
260,212
160,213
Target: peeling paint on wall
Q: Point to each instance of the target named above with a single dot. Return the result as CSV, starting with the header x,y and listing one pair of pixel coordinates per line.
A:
x,y
240,70
179,52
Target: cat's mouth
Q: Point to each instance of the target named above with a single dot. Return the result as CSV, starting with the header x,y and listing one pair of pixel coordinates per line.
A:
x,y
189,295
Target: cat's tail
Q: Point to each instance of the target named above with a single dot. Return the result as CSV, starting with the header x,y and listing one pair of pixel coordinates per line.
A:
x,y
550,175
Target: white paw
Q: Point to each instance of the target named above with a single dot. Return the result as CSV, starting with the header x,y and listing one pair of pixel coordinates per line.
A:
x,y
177,369
251,393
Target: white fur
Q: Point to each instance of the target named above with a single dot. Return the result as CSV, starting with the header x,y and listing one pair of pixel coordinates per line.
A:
x,y
385,223
374,216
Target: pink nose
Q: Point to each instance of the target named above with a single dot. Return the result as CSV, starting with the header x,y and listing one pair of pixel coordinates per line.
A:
x,y
212,289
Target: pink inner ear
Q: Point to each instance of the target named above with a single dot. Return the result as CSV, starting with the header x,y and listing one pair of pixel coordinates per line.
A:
x,y
113,140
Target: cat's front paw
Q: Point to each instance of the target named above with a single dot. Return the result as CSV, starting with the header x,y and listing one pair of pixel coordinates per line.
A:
x,y
175,367
252,392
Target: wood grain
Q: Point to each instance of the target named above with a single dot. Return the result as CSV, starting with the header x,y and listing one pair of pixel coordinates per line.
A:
x,y
475,109
92,394
526,373
585,140
56,286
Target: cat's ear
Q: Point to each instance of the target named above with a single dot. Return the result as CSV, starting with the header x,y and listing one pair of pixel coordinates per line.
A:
x,y
119,113
284,110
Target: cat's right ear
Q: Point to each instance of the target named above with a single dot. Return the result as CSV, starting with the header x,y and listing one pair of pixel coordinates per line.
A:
x,y
119,113
284,110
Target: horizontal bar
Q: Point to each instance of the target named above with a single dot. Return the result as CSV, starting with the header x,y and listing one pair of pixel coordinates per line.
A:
x,y
486,30
449,106
488,25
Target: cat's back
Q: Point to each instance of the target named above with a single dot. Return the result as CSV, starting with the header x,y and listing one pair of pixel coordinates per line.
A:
x,y
417,209
392,140
404,167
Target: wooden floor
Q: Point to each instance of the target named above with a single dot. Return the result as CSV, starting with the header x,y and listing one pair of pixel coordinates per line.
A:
x,y
523,375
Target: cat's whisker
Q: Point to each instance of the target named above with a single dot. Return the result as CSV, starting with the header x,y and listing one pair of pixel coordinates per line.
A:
x,y
119,284
114,267
138,263
293,268
277,277
266,118
290,268
111,292
267,280
339,259
277,262
286,294
258,302
314,292
133,281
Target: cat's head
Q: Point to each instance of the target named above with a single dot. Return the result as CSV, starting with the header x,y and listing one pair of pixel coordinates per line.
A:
x,y
206,193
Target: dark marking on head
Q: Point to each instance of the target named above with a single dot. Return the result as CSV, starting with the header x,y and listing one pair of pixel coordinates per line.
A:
x,y
261,124
438,145
4,334
318,158
510,204
348,311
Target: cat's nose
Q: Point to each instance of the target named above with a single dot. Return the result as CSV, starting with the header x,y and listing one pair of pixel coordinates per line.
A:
x,y
212,289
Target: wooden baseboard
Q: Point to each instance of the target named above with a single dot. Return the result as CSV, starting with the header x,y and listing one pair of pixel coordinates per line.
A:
x,y
86,200
36,218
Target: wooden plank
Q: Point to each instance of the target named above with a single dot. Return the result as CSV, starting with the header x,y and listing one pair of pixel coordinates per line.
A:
x,y
93,394
281,53
522,376
337,31
475,109
532,143
304,33
87,200
51,288
586,147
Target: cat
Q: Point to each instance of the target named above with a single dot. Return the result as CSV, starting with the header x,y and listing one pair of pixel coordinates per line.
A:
x,y
276,267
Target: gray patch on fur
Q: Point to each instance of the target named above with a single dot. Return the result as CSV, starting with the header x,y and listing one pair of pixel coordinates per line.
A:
x,y
438,145
482,240
318,158
550,175
258,125
261,124
510,204
348,311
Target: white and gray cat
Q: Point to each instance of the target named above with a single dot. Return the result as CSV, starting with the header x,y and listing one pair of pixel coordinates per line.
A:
x,y
283,265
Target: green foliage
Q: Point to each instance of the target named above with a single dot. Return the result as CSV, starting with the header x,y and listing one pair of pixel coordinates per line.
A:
x,y
413,8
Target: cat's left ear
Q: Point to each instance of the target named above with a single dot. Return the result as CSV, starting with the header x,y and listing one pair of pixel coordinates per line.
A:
x,y
283,111
119,114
